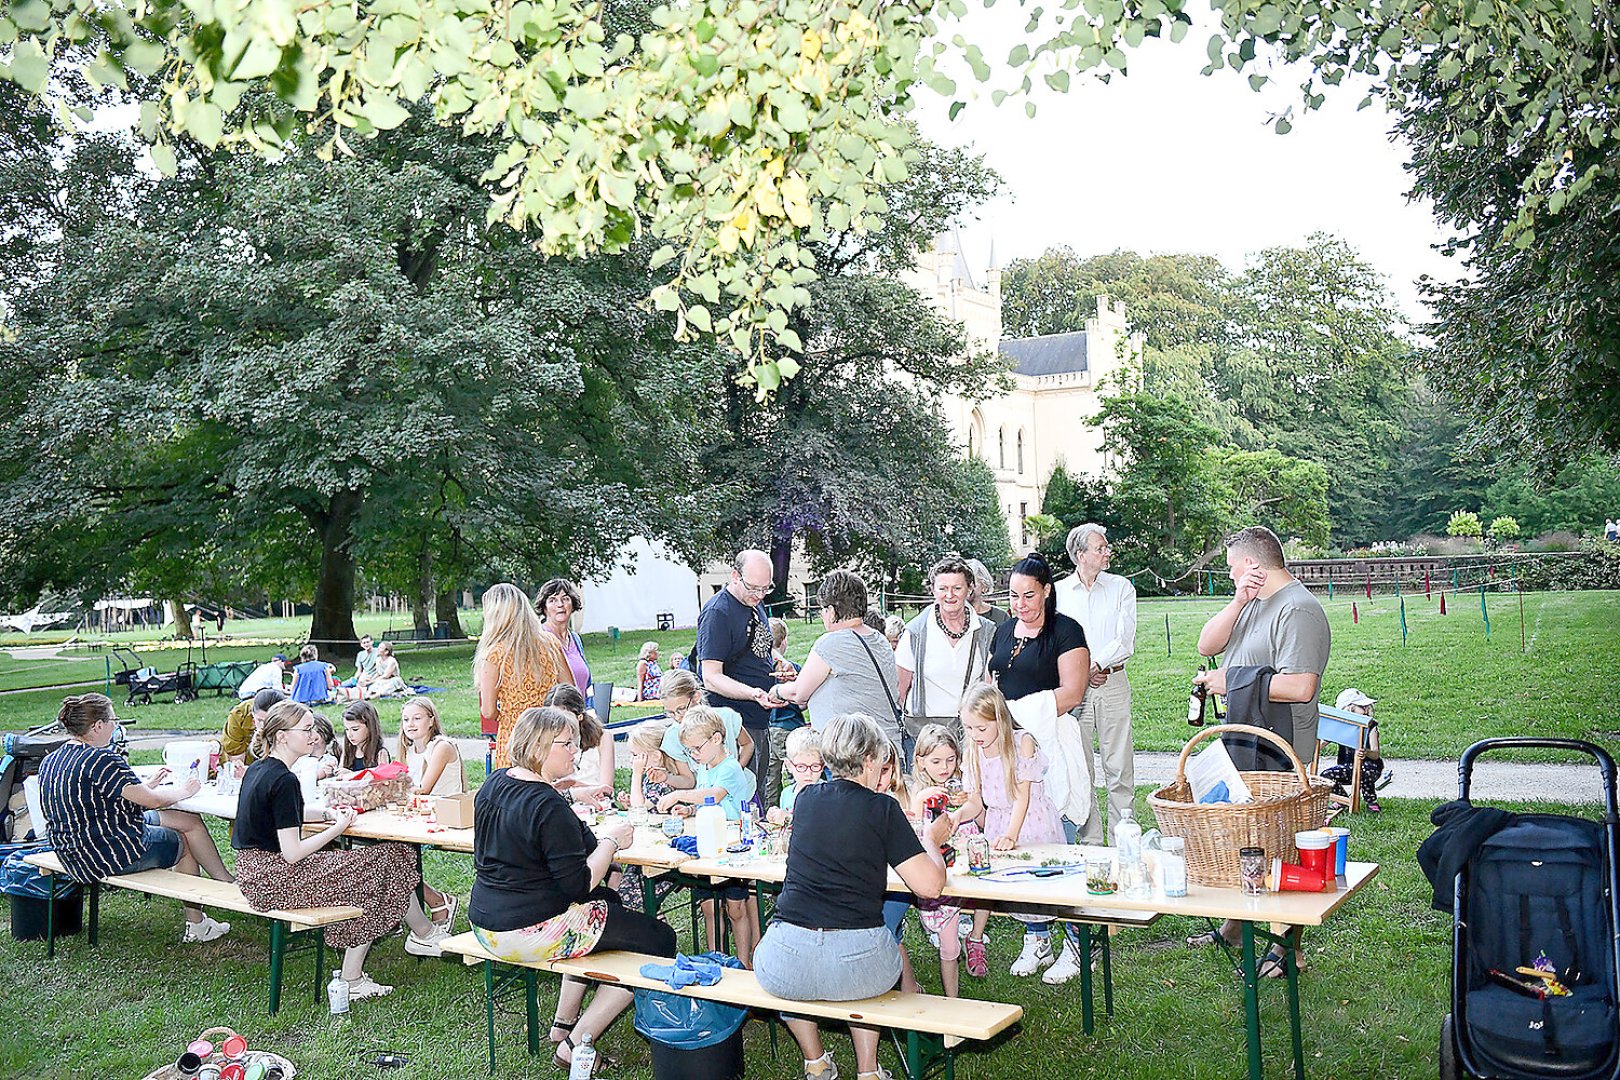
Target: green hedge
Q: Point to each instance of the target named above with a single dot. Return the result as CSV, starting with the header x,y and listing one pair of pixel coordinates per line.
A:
x,y
1596,566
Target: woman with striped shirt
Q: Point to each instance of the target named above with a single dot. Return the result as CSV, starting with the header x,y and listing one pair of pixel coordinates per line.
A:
x,y
103,821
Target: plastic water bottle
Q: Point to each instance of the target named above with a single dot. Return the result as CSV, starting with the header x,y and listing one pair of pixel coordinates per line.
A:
x,y
710,829
747,822
583,1063
337,994
1133,881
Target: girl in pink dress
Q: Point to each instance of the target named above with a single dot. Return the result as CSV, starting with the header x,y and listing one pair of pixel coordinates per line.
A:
x,y
1005,778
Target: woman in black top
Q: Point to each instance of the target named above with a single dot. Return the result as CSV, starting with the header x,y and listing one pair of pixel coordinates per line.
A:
x,y
1038,649
538,891
277,866
828,942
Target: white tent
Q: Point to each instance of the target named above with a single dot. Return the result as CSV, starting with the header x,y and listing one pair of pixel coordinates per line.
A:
x,y
646,583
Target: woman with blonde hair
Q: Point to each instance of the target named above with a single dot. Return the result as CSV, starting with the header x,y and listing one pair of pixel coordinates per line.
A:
x,y
539,890
515,665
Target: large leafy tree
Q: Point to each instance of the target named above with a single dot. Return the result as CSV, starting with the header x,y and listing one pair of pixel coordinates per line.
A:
x,y
852,457
736,134
279,370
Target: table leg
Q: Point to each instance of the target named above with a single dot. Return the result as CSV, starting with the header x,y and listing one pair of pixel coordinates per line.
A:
x,y
649,896
1291,968
531,1002
1108,970
1087,1011
1251,1000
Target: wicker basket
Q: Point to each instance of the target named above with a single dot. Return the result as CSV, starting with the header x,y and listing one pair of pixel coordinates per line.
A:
x,y
218,1035
1283,804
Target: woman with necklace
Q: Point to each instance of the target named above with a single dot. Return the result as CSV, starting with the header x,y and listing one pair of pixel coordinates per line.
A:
x,y
944,650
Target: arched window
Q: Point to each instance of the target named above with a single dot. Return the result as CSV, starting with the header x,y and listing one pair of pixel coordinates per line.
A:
x,y
1001,448
1020,450
976,434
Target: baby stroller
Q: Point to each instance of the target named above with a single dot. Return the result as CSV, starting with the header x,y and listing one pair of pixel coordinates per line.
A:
x,y
1536,911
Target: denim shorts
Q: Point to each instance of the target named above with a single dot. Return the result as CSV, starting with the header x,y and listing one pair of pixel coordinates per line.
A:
x,y
826,965
160,847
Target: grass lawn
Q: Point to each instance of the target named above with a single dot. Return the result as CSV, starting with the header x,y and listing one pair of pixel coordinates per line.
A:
x,y
1372,1000
1443,689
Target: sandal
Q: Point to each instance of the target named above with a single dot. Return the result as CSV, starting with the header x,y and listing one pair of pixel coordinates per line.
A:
x,y
449,909
1208,939
1274,966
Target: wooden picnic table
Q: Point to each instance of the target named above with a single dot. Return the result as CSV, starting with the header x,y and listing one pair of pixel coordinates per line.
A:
x,y
1066,897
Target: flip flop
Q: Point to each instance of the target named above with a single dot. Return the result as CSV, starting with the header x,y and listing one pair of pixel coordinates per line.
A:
x,y
1274,966
1208,939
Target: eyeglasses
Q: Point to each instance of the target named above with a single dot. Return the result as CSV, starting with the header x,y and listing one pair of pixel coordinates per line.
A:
x,y
811,769
690,749
569,743
308,729
677,711
757,590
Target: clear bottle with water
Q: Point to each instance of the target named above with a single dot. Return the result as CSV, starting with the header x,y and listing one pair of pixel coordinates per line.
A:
x,y
1133,878
583,1063
337,994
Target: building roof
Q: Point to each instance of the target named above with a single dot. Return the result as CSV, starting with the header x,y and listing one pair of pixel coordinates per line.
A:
x,y
1050,354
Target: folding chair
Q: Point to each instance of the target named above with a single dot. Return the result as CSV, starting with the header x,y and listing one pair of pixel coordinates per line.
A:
x,y
1345,728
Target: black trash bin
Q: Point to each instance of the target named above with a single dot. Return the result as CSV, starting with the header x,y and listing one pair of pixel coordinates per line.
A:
x,y
29,915
692,1039
29,891
719,1061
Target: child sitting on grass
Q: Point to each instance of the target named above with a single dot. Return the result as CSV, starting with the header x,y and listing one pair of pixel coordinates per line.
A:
x,y
718,776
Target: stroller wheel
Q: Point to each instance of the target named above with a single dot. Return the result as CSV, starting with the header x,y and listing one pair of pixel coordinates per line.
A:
x,y
1449,1069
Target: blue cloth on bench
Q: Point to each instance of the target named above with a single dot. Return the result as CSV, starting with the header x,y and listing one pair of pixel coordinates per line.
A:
x,y
687,971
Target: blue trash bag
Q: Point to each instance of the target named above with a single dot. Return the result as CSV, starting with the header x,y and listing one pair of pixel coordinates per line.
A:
x,y
687,1023
18,878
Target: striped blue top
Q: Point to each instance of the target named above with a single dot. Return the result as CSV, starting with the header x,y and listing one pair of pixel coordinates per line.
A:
x,y
94,829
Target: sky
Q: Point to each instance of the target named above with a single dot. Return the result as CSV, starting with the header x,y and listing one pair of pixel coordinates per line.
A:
x,y
1168,160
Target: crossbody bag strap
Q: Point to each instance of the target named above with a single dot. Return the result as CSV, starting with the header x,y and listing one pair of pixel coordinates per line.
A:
x,y
872,656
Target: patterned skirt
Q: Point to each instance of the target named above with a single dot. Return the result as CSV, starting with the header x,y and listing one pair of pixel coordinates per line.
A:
x,y
380,879
573,933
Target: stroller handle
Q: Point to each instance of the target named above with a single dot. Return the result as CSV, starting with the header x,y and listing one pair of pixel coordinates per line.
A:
x,y
1605,763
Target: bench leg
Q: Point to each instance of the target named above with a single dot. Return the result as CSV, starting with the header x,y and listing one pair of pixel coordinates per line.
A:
x,y
278,954
531,1002
926,1052
320,962
95,913
489,1008
50,920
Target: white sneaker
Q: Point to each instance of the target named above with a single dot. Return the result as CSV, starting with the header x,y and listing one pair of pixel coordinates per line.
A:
x,y
1036,955
829,1073
428,944
366,987
206,930
1066,968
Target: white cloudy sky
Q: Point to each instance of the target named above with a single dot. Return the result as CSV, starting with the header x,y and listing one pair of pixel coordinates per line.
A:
x,y
1168,160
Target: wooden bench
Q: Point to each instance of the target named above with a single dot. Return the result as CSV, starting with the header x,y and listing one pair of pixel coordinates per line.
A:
x,y
204,892
933,1025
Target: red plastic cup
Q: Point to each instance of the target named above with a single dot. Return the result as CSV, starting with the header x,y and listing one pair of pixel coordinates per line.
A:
x,y
1317,853
1290,877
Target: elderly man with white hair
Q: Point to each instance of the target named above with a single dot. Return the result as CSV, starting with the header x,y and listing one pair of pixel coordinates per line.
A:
x,y
733,654
1105,605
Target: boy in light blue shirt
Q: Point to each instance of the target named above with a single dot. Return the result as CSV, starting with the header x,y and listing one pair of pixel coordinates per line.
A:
x,y
722,778
805,762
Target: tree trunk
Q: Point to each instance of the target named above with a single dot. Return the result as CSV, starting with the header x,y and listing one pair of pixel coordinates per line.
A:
x,y
781,561
182,620
422,596
333,624
448,614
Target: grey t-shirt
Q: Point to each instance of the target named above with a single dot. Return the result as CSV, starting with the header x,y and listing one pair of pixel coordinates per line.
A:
x,y
853,683
1288,631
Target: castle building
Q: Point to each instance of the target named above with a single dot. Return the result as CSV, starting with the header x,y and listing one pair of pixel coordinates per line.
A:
x,y
1059,381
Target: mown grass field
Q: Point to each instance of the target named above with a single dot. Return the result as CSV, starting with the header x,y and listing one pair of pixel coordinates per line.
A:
x,y
1445,687
1372,1000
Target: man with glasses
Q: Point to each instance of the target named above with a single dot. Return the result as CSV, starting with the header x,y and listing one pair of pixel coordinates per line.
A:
x,y
1105,605
733,652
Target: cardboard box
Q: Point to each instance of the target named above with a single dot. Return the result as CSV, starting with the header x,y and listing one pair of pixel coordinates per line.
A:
x,y
454,811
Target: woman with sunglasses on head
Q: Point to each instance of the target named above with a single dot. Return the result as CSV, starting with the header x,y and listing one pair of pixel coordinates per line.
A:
x,y
102,820
277,866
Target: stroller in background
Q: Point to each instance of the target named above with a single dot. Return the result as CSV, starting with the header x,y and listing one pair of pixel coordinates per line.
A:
x,y
1533,891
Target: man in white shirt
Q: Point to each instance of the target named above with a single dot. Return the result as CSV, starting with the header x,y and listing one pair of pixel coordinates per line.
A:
x,y
1105,605
269,676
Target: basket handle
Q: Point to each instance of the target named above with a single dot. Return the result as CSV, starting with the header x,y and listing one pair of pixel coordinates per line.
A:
x,y
211,1032
1240,729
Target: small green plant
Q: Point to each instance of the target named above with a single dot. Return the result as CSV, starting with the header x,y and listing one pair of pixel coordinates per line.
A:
x,y
1465,523
1503,529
